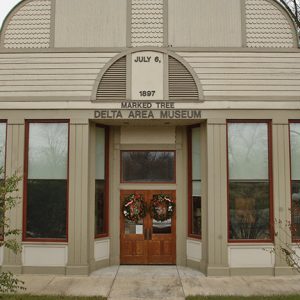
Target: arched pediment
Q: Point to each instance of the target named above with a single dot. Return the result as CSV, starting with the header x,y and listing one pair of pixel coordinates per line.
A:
x,y
173,80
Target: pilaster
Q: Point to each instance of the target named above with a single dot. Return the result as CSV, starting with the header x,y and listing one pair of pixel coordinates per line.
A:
x,y
217,228
78,199
14,164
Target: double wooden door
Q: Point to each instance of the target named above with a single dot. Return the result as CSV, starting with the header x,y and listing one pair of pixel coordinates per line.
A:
x,y
149,241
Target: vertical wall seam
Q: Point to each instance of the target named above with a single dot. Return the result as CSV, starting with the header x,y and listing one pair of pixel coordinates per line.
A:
x,y
214,191
224,194
52,24
129,24
165,23
81,198
243,23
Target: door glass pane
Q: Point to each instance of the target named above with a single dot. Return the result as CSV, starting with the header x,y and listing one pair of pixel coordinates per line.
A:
x,y
161,227
295,150
134,228
48,151
148,166
248,150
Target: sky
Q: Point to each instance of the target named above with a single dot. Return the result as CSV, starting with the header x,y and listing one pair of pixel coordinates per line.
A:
x,y
5,7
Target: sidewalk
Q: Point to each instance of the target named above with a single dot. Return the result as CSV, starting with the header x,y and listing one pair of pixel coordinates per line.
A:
x,y
157,282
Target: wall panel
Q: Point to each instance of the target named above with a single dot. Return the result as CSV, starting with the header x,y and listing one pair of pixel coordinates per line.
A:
x,y
217,255
147,23
29,26
268,26
281,183
14,163
78,200
247,76
50,74
44,255
90,23
201,23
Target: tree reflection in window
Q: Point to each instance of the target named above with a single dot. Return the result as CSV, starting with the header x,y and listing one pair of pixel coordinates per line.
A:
x,y
47,180
249,186
295,178
148,166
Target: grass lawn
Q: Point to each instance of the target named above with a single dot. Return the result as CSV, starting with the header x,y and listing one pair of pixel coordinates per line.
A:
x,y
295,297
28,297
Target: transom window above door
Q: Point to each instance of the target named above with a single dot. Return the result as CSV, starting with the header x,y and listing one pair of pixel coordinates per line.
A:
x,y
148,166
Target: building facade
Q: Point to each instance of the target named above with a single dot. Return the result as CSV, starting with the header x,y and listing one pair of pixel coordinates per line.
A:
x,y
115,111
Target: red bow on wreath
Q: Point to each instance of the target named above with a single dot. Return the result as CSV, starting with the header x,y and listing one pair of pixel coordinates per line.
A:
x,y
162,207
134,207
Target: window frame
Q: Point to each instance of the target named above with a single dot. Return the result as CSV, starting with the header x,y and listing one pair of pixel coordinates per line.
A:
x,y
26,154
190,182
294,240
148,182
106,174
270,180
5,146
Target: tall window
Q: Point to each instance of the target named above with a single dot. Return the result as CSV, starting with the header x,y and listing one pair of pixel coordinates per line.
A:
x,y
46,183
295,178
194,175
249,181
101,182
2,148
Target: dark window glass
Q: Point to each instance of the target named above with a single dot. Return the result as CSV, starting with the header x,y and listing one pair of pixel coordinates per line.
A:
x,y
249,210
148,166
296,209
101,221
194,140
46,213
249,186
100,207
196,212
46,208
162,227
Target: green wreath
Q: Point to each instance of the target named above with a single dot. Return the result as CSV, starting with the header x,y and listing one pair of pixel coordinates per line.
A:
x,y
162,207
134,207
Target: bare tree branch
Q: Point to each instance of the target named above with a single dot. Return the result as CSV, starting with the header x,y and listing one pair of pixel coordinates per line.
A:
x,y
293,8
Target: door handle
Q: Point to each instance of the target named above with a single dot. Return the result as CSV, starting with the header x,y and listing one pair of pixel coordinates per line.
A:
x,y
147,234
